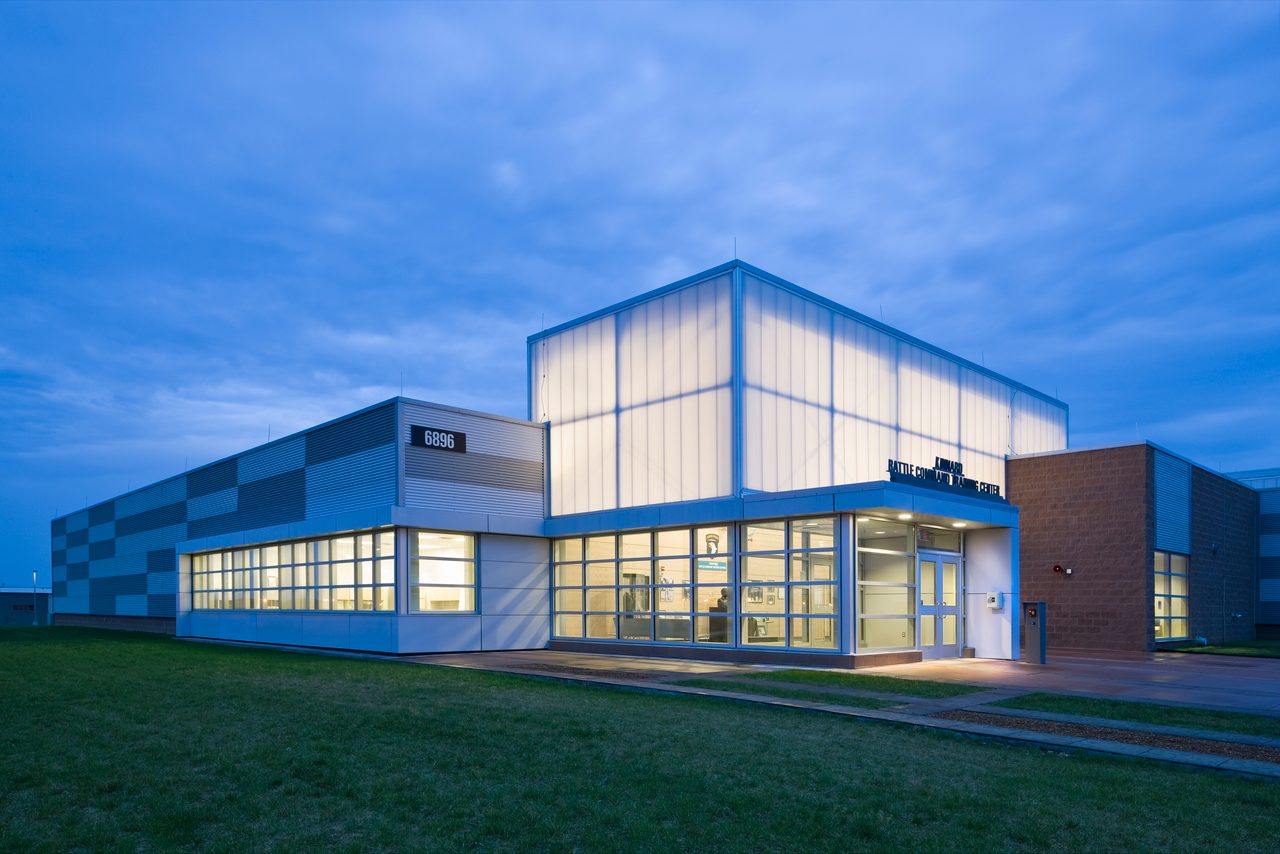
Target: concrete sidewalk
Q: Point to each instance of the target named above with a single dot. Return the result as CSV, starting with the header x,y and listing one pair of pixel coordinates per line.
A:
x,y
1227,683
1141,680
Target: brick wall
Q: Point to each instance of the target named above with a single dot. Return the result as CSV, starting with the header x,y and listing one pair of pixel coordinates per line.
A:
x,y
1090,511
1223,580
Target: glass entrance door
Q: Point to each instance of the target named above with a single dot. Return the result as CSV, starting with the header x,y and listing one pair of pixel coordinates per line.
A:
x,y
941,623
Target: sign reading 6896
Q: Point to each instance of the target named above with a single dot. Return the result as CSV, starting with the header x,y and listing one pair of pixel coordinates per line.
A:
x,y
441,440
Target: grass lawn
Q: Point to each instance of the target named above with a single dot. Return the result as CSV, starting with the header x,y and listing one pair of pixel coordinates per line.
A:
x,y
124,742
1147,713
885,684
743,686
1262,648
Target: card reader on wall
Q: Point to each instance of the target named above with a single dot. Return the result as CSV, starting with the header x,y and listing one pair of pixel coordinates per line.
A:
x,y
995,601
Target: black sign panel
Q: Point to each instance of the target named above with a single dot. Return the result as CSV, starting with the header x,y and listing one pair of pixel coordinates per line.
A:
x,y
441,440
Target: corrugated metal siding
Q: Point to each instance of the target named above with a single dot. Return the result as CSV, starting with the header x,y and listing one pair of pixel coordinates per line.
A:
x,y
165,492
1173,503
217,503
125,563
1269,501
364,479
503,470
420,492
278,457
1269,590
351,435
214,478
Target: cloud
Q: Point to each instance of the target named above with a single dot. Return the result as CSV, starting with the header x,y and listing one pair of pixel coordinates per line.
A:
x,y
217,218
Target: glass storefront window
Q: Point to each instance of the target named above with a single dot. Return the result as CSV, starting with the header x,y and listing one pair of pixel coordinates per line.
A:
x,y
299,576
711,541
886,584
442,572
813,533
887,536
677,585
764,537
1171,606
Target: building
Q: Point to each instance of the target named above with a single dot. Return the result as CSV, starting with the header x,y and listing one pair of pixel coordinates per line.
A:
x,y
729,466
21,606
1134,546
1267,484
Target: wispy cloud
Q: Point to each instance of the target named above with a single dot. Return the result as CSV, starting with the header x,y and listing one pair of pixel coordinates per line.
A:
x,y
217,218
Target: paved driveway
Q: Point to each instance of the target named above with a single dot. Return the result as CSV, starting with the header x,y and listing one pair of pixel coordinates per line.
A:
x,y
1234,683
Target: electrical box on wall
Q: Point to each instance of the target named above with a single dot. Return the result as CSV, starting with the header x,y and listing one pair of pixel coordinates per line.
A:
x,y
995,601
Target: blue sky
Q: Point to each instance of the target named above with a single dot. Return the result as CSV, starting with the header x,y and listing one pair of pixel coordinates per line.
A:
x,y
219,220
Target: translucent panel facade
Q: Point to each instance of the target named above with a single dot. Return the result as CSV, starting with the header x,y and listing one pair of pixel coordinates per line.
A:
x,y
647,407
829,398
639,402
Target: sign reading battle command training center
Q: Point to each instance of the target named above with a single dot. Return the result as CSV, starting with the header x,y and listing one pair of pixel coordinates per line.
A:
x,y
946,473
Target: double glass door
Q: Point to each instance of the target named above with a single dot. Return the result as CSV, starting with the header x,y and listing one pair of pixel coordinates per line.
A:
x,y
941,624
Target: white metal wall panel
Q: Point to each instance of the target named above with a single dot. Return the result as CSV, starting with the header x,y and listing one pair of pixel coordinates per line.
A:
x,y
1173,503
503,470
631,398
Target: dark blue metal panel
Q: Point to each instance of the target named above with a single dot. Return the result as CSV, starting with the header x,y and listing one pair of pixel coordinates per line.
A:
x,y
160,605
162,560
273,500
212,478
101,513
367,430
1269,567
160,517
60,589
59,557
118,585
78,538
1269,523
58,527
102,550
77,571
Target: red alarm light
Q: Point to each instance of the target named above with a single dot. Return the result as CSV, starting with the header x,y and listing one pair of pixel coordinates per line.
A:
x,y
1057,567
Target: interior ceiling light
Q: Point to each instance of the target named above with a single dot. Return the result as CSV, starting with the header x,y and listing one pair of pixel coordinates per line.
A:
x,y
904,516
959,524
